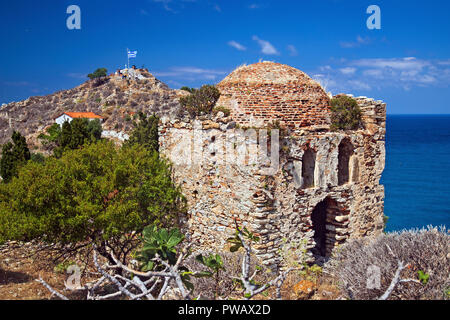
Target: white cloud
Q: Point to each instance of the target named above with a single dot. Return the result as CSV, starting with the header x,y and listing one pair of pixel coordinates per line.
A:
x,y
176,6
77,75
254,6
292,50
444,63
266,46
347,70
354,44
325,68
408,63
190,73
17,83
359,85
237,45
165,4
369,74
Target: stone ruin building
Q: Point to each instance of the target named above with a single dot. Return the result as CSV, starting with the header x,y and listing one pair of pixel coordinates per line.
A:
x,y
318,186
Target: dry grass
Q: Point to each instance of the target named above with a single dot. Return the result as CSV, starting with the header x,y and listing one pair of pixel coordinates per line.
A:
x,y
426,250
21,264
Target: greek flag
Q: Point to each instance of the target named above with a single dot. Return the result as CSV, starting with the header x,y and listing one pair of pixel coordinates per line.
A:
x,y
132,54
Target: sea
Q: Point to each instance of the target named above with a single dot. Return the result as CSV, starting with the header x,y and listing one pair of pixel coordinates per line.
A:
x,y
417,173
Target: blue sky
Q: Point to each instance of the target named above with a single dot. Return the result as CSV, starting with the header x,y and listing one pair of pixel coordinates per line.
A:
x,y
194,42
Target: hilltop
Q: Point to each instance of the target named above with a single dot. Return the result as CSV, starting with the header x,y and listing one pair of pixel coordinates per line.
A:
x,y
117,100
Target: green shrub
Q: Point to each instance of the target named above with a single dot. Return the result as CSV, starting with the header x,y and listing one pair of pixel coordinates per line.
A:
x,y
72,135
99,73
146,132
201,101
214,263
188,89
345,113
63,266
14,155
96,194
52,135
37,157
225,111
158,242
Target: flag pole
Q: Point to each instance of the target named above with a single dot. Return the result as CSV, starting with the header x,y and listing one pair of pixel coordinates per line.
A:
x,y
128,56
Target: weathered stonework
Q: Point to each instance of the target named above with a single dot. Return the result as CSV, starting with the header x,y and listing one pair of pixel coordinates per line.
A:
x,y
325,188
268,91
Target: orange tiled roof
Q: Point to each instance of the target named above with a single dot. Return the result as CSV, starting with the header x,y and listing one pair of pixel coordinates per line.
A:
x,y
87,115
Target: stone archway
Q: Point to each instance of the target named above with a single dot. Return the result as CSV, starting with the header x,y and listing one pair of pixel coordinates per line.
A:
x,y
319,222
329,224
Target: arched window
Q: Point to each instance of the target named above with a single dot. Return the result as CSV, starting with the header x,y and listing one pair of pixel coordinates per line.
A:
x,y
308,168
345,154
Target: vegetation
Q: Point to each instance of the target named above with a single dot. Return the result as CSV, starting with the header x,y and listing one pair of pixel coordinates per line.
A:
x,y
201,101
169,277
37,157
146,132
188,89
214,263
72,135
420,256
14,155
346,114
99,73
159,242
97,194
222,109
52,136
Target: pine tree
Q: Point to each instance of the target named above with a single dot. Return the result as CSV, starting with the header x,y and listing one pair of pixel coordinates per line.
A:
x,y
75,134
146,133
14,155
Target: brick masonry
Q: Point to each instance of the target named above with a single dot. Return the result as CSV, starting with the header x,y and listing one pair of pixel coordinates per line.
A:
x,y
267,91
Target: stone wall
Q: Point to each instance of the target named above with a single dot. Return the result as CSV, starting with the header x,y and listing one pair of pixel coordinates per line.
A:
x,y
333,176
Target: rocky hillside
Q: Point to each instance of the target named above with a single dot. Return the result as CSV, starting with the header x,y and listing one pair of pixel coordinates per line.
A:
x,y
114,98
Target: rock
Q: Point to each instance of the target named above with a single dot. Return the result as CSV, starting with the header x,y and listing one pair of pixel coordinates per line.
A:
x,y
304,289
210,125
173,294
231,125
219,115
341,218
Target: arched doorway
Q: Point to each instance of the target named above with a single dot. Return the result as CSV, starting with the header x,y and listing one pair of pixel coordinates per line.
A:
x,y
324,238
345,154
319,221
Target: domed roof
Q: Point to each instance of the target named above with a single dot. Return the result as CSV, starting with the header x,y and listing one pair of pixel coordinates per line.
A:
x,y
267,73
267,91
